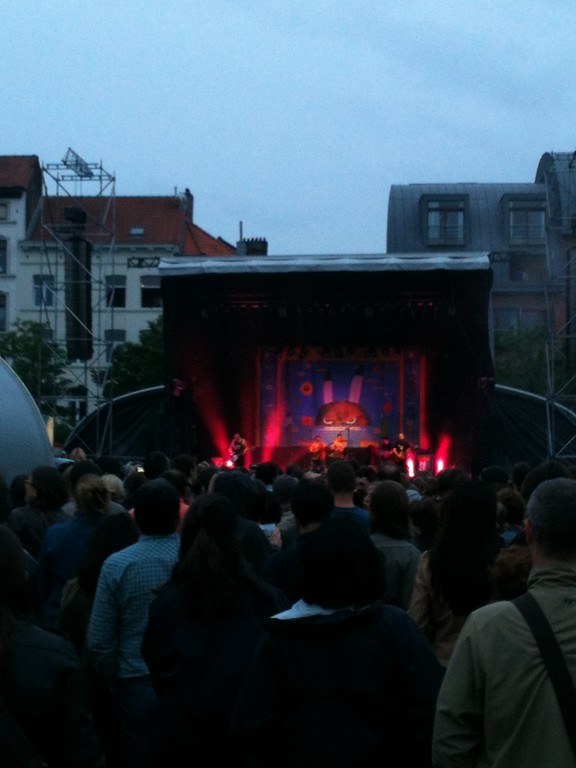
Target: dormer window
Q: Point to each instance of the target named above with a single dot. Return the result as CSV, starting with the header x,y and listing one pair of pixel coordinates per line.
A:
x,y
526,222
137,231
445,221
3,211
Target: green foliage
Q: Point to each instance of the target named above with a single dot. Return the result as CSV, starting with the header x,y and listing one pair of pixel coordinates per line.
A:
x,y
40,364
138,365
520,360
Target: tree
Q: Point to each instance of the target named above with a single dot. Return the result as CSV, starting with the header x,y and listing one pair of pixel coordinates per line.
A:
x,y
520,360
138,365
40,364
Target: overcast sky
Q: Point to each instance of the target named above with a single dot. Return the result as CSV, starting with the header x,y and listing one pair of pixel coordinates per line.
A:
x,y
292,116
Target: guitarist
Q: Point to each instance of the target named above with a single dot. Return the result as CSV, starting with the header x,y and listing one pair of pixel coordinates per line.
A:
x,y
400,450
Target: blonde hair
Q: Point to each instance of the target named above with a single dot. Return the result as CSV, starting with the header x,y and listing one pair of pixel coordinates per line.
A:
x,y
115,487
92,495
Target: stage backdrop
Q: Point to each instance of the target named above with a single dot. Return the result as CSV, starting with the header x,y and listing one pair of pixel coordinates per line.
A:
x,y
364,393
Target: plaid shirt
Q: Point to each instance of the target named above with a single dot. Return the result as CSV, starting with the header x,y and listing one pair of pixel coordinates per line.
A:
x,y
120,611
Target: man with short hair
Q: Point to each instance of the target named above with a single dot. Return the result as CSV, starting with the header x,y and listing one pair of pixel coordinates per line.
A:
x,y
341,479
497,707
126,587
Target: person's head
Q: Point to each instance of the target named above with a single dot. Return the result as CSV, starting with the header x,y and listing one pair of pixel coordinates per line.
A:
x,y
156,508
450,478
179,480
155,463
513,504
546,470
115,487
312,504
341,477
109,465
239,488
497,476
267,472
92,496
185,463
46,488
78,454
78,470
401,436
510,571
111,534
283,489
338,566
551,519
388,509
211,568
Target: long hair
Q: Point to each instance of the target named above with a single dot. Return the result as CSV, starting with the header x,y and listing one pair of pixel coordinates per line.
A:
x,y
466,547
211,569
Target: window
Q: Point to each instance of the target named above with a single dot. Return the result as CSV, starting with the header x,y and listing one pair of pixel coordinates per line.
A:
x,y
526,223
150,287
526,268
3,312
3,256
43,290
3,211
113,337
534,318
446,222
506,319
116,290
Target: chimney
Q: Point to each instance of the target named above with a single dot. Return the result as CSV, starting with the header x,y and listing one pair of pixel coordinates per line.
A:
x,y
189,198
253,246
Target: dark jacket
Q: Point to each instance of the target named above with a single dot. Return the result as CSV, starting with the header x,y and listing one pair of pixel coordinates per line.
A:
x,y
348,689
44,690
197,666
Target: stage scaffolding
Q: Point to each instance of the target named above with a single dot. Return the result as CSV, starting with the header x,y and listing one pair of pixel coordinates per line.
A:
x,y
558,172
78,245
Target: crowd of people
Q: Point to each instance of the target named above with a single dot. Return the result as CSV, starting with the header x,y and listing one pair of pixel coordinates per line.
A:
x,y
168,612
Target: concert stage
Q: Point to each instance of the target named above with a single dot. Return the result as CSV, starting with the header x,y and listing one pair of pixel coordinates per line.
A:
x,y
282,349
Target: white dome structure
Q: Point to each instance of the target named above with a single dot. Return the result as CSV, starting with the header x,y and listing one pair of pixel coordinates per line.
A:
x,y
24,442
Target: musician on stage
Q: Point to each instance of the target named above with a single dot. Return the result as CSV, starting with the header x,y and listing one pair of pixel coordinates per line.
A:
x,y
386,449
400,450
337,448
237,449
317,454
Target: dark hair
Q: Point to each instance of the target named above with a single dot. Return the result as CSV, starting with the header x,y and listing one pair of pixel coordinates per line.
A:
x,y
341,477
339,566
450,478
156,508
113,533
50,486
510,571
241,489
551,511
109,465
513,504
312,502
81,468
547,470
177,478
211,568
184,462
466,546
389,510
267,471
155,463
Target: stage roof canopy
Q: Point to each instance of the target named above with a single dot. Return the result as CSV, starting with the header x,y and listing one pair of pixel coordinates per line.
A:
x,y
371,262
